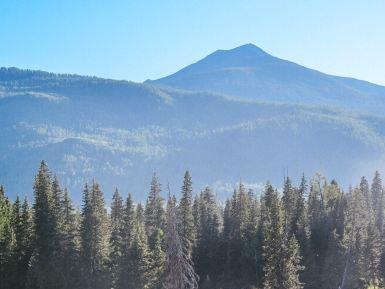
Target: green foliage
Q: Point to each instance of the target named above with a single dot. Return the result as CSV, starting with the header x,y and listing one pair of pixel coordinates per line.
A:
x,y
185,213
327,239
154,211
94,234
5,237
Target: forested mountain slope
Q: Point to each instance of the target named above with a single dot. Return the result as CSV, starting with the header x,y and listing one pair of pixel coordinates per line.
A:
x,y
121,132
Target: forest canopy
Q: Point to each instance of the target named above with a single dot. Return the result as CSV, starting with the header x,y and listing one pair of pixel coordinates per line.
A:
x,y
311,235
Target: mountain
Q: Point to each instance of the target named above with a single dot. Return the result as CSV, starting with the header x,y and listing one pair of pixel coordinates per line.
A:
x,y
249,72
120,132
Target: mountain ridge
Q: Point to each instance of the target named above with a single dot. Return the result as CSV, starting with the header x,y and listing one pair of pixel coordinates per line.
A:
x,y
249,72
120,132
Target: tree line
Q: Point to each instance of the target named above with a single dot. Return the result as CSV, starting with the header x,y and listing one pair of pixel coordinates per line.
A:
x,y
313,235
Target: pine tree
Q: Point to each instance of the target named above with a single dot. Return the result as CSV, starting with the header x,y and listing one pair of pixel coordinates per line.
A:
x,y
317,243
22,250
116,242
187,230
291,264
356,227
128,224
64,276
334,264
364,187
372,255
242,242
272,231
180,272
5,237
154,212
139,260
70,244
378,204
280,250
207,258
158,259
377,193
43,271
94,239
289,200
299,222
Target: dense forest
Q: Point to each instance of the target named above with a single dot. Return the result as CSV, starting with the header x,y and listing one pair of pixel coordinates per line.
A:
x,y
311,235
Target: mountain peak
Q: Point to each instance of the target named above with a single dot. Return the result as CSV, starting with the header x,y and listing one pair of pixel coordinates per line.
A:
x,y
248,48
243,55
247,55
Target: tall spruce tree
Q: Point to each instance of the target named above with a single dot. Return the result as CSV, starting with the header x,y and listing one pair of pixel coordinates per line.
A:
x,y
280,250
356,233
378,205
187,229
291,264
116,238
158,259
377,193
63,276
70,265
154,211
272,231
139,259
299,221
94,239
43,270
5,238
316,217
21,251
128,226
289,201
207,258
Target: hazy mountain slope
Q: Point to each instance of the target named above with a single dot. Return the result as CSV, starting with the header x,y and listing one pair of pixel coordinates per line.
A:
x,y
235,114
121,132
249,72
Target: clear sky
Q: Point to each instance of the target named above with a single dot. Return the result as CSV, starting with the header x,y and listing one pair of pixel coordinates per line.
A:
x,y
145,39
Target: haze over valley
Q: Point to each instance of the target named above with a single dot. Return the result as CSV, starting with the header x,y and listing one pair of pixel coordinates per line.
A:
x,y
236,114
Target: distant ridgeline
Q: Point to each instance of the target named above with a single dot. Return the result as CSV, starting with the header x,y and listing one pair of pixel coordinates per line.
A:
x,y
313,235
236,113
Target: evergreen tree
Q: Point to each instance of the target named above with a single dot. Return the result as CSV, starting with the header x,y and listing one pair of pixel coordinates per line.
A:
x,y
187,230
70,265
154,212
158,259
116,239
299,222
139,260
21,251
65,251
334,265
377,193
356,233
280,250
289,201
272,231
94,239
128,224
5,238
291,264
317,243
180,272
43,271
207,256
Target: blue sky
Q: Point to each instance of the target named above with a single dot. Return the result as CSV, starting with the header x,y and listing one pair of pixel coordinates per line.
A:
x,y
138,40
